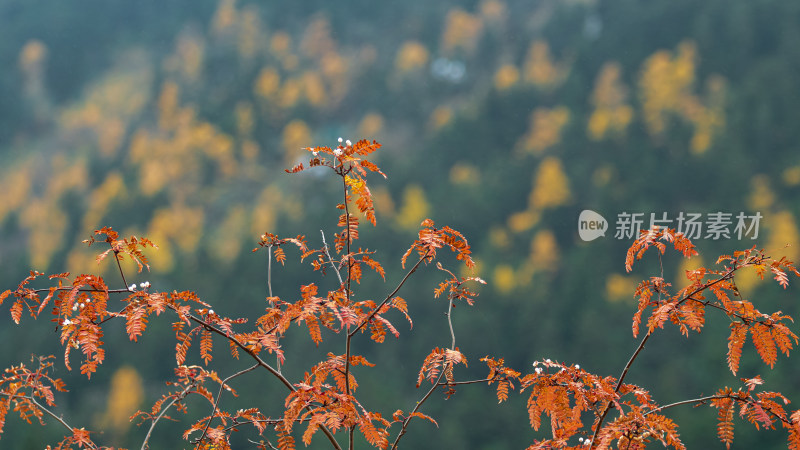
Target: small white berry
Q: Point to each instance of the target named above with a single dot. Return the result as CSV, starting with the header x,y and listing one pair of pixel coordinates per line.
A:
x,y
337,152
538,370
132,287
82,305
548,361
340,140
75,307
210,311
67,322
349,144
578,366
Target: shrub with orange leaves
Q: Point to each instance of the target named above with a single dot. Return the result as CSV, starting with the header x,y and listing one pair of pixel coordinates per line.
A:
x,y
584,409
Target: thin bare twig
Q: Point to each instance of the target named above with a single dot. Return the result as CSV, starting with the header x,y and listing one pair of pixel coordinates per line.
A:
x,y
269,270
450,321
119,266
261,443
219,396
438,382
687,402
390,296
456,383
164,411
747,400
408,418
49,413
327,252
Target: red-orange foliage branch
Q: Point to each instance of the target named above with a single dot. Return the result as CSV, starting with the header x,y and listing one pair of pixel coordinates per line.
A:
x,y
576,403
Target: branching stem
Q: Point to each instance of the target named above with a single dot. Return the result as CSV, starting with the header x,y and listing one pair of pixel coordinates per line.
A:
x,y
164,411
219,396
727,275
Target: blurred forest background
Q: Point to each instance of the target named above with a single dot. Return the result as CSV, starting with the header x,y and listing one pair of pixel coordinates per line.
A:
x,y
501,118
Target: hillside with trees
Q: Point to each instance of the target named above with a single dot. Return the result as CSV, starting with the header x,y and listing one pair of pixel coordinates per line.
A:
x,y
502,119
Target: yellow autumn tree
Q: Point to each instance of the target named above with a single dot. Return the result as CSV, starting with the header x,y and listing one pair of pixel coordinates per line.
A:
x,y
791,176
334,68
124,398
463,173
499,237
761,197
179,225
546,126
783,238
291,92
43,217
244,118
251,37
264,211
46,223
540,69
280,43
550,189
186,61
415,208
493,12
612,114
412,56
225,17
666,87
544,256
371,124
32,60
314,89
664,84
551,185
267,83
523,220
250,151
440,117
462,31
504,279
16,186
168,105
226,241
317,40
620,287
384,204
506,77
153,174
296,136
111,103
101,199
